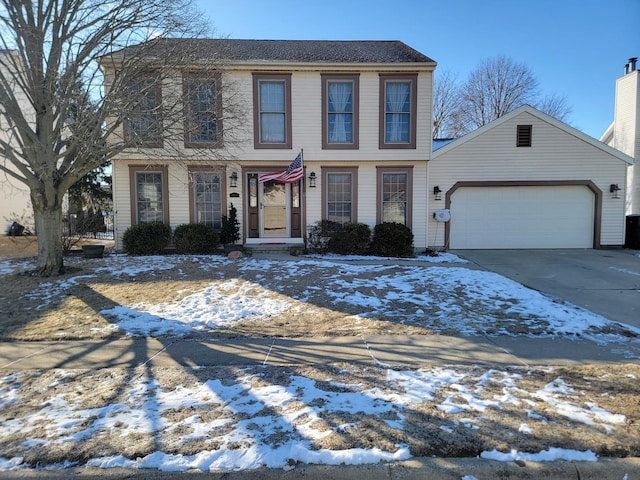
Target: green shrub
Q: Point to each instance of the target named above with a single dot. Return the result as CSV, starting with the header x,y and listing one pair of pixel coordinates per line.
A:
x,y
351,239
146,238
230,232
392,240
195,238
319,234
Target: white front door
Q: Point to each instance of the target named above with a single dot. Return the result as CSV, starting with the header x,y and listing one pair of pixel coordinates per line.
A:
x,y
274,209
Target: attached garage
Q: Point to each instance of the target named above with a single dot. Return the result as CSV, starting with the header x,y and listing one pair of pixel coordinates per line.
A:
x,y
527,216
524,181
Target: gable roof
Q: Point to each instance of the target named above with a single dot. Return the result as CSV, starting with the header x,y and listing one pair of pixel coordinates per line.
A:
x,y
541,116
303,51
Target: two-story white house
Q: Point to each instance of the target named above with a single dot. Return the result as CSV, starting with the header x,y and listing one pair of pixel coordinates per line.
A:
x,y
358,113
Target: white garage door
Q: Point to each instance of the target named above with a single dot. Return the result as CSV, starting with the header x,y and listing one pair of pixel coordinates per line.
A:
x,y
522,217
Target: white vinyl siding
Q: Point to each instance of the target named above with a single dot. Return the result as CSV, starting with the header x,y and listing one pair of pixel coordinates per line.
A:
x,y
306,115
555,155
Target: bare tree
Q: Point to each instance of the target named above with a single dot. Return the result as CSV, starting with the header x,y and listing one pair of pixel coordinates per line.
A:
x,y
446,104
554,105
51,47
496,87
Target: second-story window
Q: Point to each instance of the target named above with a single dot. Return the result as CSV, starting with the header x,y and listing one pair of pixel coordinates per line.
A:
x,y
143,123
203,122
339,111
398,111
272,110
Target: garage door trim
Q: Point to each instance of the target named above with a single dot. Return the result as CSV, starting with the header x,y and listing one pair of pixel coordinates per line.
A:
x,y
597,211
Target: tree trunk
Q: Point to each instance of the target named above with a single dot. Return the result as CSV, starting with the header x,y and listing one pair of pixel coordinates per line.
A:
x,y
48,223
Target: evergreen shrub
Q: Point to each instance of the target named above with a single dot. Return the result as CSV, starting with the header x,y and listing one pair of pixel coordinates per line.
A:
x,y
351,239
146,238
392,240
195,238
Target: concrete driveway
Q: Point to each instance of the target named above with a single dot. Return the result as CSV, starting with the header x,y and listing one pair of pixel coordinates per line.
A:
x,y
606,282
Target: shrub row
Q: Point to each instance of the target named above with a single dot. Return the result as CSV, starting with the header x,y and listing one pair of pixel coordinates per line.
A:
x,y
153,238
388,240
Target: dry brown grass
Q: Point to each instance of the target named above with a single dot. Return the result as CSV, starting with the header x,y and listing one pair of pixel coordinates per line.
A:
x,y
75,314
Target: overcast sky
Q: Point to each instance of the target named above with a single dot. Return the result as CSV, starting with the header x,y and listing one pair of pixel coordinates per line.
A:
x,y
576,48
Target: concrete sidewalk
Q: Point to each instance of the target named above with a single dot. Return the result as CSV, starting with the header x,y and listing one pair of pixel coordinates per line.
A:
x,y
401,351
414,469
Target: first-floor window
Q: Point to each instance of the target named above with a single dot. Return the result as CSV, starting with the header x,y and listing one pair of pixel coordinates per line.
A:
x,y
394,195
207,195
339,194
339,197
149,197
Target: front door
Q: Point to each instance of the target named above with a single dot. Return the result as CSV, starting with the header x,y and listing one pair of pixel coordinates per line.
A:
x,y
274,209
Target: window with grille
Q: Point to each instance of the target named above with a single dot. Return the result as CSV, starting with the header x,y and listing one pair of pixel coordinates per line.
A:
x,y
149,197
207,199
394,197
203,124
143,125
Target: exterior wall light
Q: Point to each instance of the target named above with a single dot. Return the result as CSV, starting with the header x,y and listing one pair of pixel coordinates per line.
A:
x,y
233,180
312,179
437,193
614,189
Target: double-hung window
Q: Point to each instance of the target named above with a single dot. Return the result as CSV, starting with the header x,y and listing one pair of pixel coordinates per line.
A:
x,y
206,196
143,124
394,195
340,111
203,107
339,194
398,111
272,110
149,199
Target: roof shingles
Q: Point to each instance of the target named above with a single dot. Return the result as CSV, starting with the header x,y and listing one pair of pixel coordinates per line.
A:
x,y
297,51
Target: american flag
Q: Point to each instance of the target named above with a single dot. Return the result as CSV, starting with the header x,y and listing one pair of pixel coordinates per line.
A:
x,y
292,174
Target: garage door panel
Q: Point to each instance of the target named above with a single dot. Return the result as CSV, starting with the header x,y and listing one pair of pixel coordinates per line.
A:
x,y
522,217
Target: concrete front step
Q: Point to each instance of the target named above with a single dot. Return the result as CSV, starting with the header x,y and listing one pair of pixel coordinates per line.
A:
x,y
292,248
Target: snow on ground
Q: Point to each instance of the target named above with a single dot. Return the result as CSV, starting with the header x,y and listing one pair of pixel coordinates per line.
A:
x,y
226,301
374,287
278,422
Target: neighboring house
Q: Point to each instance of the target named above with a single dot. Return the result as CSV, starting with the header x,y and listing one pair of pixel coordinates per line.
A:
x,y
359,110
15,199
624,133
527,180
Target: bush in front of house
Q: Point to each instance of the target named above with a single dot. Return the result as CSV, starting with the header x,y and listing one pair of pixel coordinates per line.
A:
x,y
230,232
195,238
392,240
351,239
319,234
146,238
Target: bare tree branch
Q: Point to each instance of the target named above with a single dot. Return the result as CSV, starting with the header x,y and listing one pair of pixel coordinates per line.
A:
x,y
61,57
446,103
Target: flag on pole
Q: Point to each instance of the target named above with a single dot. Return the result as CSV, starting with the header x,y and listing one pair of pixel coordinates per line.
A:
x,y
292,174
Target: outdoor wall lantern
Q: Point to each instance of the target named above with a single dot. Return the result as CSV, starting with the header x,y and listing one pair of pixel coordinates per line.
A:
x,y
614,189
437,193
312,179
233,180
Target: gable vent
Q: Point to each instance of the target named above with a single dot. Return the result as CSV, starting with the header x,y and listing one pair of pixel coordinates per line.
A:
x,y
523,135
